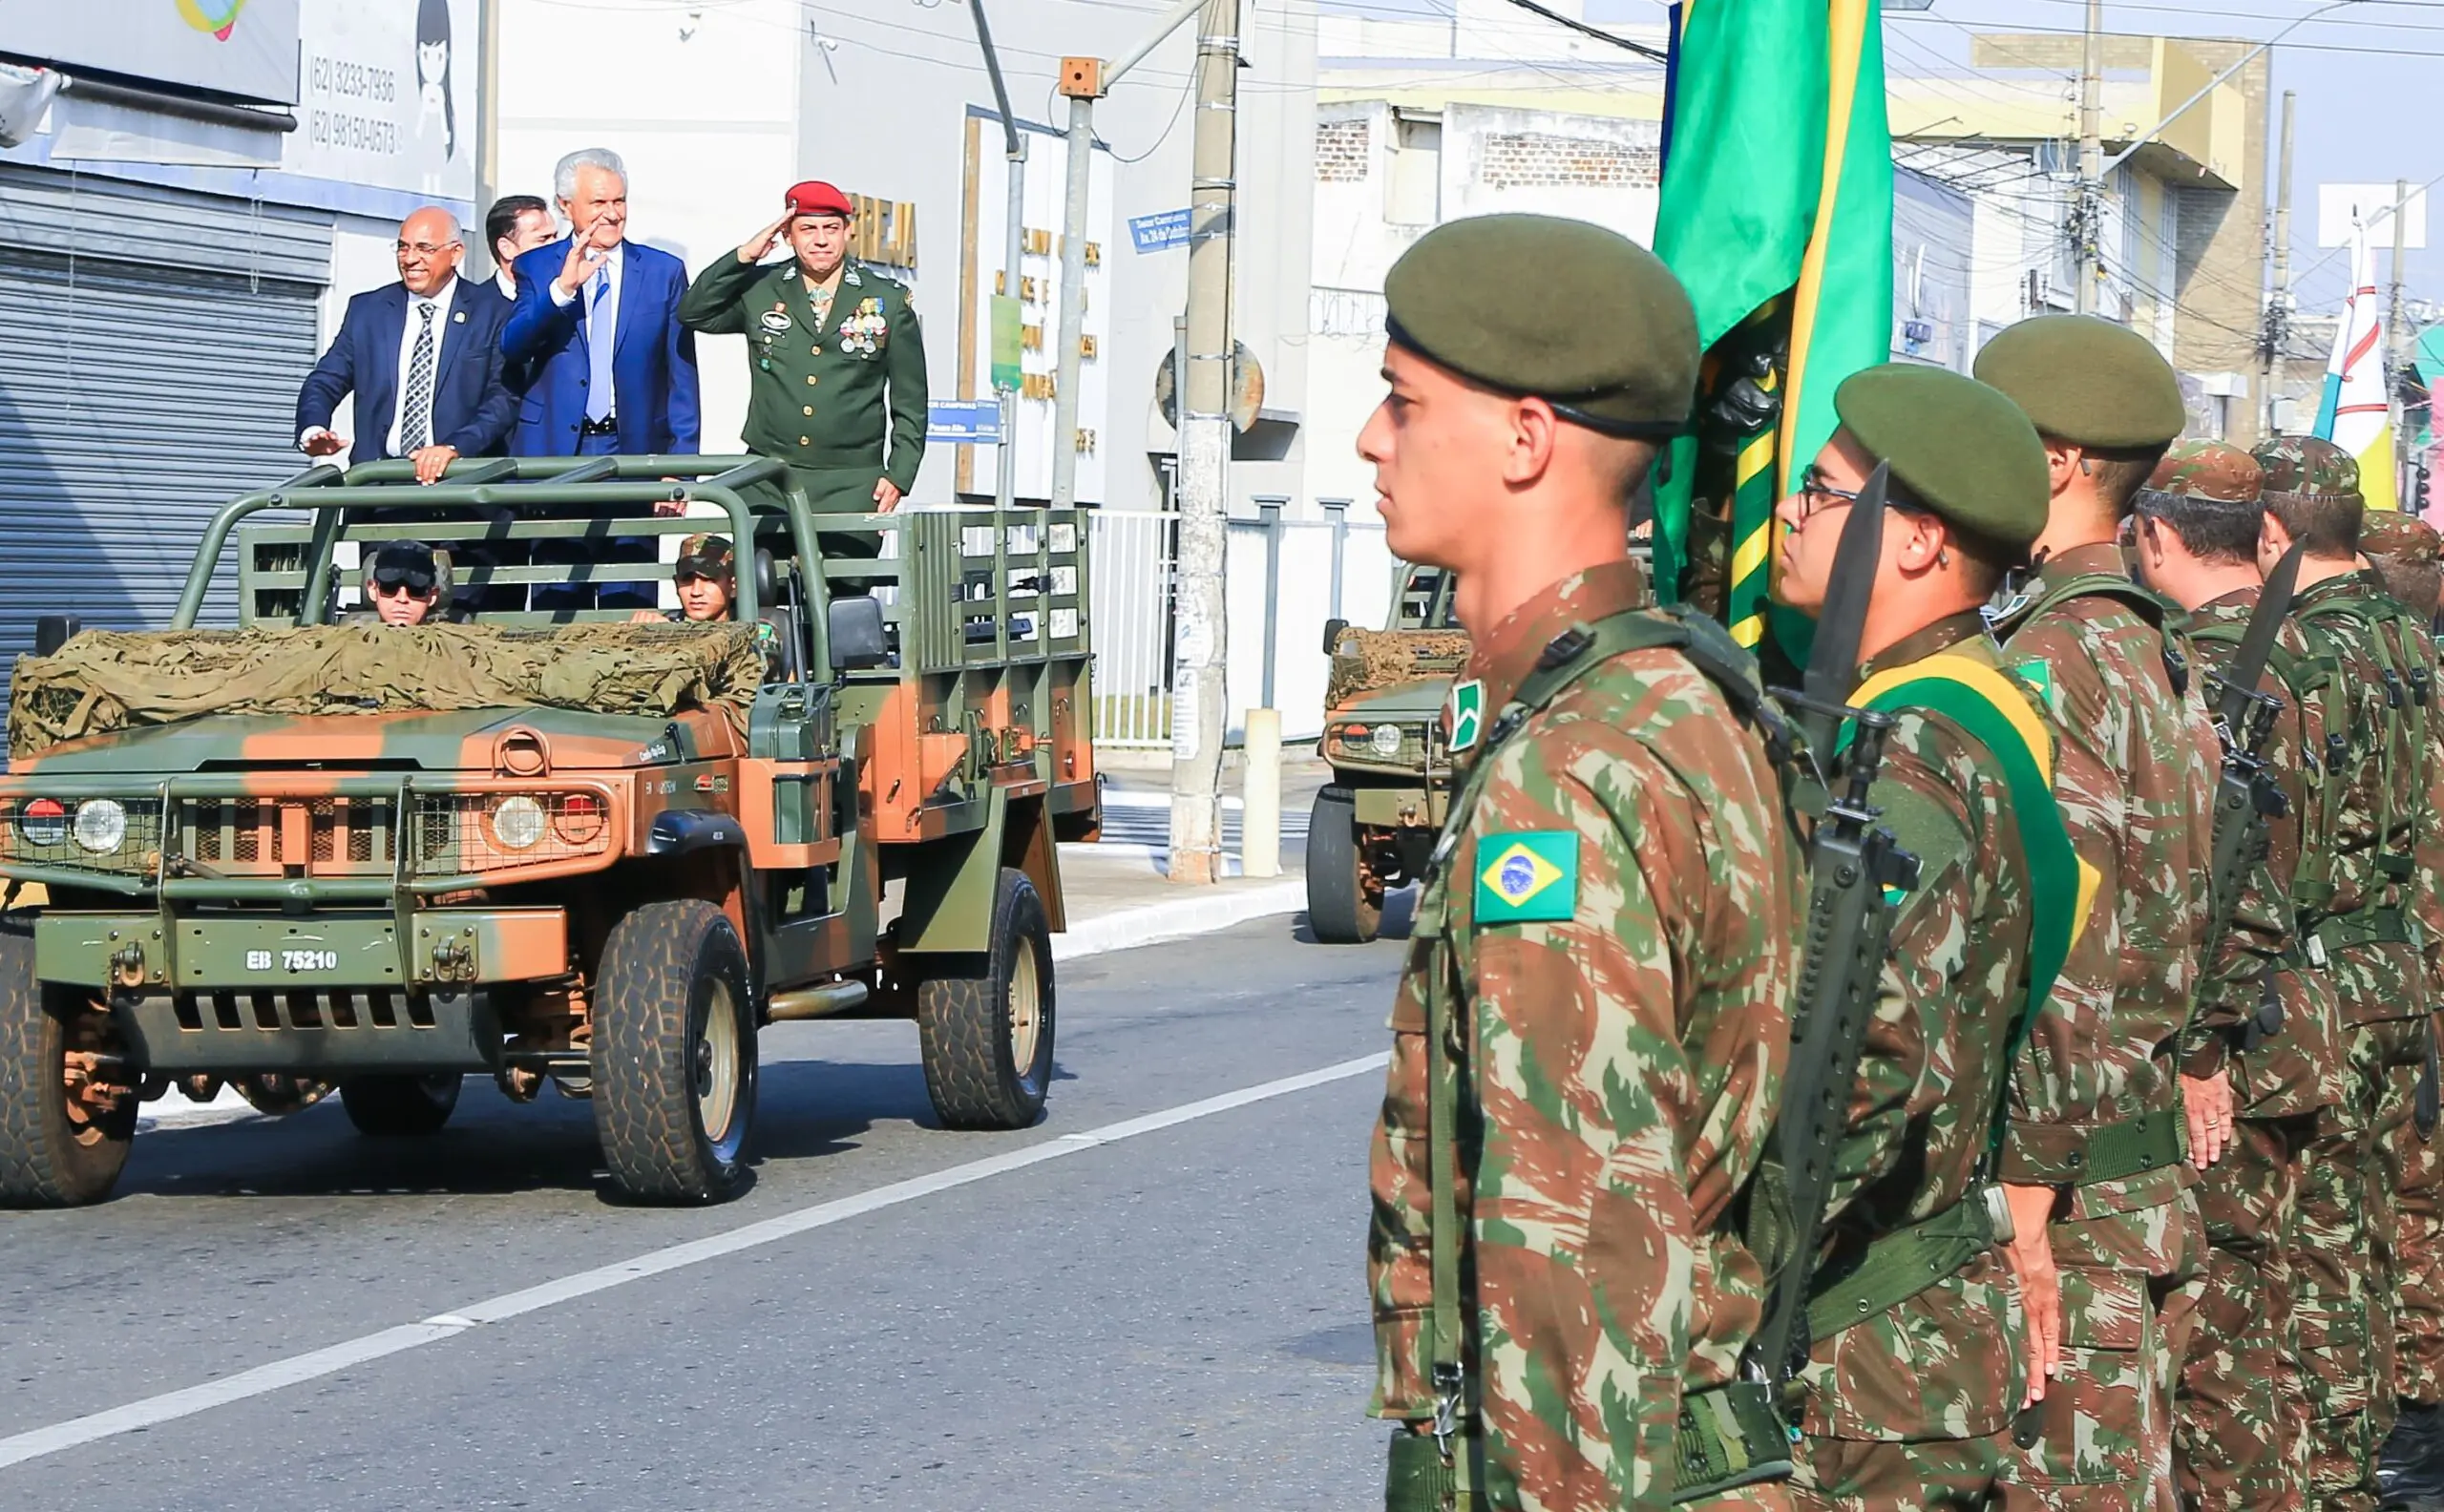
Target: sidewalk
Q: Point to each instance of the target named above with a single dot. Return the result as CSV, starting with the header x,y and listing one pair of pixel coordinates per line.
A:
x,y
1116,890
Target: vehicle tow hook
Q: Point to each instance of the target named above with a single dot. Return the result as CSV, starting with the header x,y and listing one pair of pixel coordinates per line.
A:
x,y
127,966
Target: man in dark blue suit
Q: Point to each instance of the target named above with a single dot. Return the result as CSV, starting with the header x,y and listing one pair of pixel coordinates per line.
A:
x,y
423,358
596,327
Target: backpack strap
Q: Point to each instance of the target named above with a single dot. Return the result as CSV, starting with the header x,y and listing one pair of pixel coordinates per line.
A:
x,y
2159,611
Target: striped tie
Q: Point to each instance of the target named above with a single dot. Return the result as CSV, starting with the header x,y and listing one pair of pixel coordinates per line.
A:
x,y
415,416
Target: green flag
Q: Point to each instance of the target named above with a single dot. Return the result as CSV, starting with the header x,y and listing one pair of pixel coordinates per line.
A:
x,y
1776,215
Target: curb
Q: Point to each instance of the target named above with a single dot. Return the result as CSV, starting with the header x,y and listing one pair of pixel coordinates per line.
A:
x,y
1178,918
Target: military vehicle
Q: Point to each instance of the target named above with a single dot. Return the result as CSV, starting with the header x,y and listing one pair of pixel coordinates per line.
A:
x,y
1373,823
302,856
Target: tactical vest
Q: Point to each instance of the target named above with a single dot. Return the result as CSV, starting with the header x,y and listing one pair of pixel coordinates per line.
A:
x,y
2389,723
2152,1141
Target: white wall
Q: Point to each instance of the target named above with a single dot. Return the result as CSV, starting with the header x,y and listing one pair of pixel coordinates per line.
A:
x,y
701,103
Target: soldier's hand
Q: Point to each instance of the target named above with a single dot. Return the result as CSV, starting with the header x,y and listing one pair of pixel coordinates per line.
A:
x,y
759,246
645,616
2208,1103
322,443
2031,1260
887,495
433,461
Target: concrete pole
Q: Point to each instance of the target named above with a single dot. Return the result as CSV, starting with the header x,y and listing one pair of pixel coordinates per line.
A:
x,y
2278,308
1013,150
1078,82
2086,208
1261,796
2397,342
1199,651
487,133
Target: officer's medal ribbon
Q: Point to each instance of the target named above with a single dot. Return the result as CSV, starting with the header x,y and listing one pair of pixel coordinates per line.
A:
x,y
1532,877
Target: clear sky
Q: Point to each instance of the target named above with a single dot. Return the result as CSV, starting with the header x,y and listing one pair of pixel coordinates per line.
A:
x,y
2370,77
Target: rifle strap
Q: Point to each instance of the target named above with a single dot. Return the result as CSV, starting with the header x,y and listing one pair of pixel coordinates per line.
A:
x,y
1730,1436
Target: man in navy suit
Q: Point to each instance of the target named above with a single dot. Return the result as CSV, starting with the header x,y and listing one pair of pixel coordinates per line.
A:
x,y
596,327
423,358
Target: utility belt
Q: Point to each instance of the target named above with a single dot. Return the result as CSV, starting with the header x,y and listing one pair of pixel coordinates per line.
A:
x,y
2062,1157
1895,1267
607,426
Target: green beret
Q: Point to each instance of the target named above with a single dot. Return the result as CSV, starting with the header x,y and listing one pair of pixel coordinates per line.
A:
x,y
2087,381
1967,452
1565,311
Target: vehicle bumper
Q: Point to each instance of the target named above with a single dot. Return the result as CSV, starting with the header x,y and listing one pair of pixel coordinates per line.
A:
x,y
1400,807
424,950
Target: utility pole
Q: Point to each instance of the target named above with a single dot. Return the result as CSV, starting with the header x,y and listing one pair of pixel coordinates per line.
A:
x,y
2396,341
2085,209
2277,304
1198,659
1014,151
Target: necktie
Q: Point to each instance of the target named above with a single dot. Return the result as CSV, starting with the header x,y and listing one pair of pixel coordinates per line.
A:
x,y
416,415
599,336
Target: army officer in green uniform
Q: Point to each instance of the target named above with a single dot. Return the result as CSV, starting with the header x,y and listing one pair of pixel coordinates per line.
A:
x,y
835,359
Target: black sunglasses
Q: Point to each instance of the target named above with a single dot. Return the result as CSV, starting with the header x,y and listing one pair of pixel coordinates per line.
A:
x,y
413,578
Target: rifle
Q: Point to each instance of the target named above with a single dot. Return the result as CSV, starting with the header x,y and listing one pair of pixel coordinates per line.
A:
x,y
2246,797
1851,860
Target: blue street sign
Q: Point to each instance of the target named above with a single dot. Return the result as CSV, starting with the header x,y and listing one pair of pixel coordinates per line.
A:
x,y
963,421
1156,233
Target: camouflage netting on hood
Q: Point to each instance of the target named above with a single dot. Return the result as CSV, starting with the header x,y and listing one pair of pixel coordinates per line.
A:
x,y
1366,659
108,679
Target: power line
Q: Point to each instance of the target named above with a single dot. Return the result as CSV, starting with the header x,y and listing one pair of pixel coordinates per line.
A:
x,y
1597,32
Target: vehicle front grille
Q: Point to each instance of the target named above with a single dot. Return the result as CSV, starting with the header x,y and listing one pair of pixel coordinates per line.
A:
x,y
342,835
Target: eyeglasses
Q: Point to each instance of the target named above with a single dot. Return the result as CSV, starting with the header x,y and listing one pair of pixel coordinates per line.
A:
x,y
388,580
1816,493
423,248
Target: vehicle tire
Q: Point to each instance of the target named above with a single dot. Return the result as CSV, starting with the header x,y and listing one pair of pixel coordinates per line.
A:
x,y
392,1106
987,1041
53,1152
1344,905
674,1052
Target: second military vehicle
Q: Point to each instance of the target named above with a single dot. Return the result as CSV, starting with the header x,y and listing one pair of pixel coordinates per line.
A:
x,y
1373,823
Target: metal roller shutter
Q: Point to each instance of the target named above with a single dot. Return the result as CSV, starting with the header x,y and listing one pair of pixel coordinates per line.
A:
x,y
142,385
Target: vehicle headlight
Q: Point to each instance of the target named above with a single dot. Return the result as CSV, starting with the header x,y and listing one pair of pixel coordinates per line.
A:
x,y
518,823
43,821
101,825
1387,740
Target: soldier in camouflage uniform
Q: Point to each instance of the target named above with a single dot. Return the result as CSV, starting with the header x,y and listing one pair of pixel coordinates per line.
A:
x,y
2094,1137
2403,549
2240,1421
1590,1033
1911,1386
2353,912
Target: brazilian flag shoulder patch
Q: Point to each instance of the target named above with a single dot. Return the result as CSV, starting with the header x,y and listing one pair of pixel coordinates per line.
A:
x,y
1527,876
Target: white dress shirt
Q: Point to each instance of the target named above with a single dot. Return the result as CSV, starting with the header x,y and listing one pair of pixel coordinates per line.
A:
x,y
441,301
504,281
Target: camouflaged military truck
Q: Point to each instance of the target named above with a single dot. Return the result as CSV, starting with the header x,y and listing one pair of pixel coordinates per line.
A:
x,y
1373,823
304,856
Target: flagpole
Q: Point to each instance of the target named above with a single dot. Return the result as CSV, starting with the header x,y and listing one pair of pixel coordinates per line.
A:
x,y
2396,350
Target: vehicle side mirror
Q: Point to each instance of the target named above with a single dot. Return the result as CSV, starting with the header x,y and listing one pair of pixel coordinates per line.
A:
x,y
857,629
1332,634
53,631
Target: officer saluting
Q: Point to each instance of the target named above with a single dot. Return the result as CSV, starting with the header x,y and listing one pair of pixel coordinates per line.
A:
x,y
1589,1035
835,359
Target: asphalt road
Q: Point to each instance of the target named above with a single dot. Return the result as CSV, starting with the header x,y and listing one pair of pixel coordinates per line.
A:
x,y
1170,1314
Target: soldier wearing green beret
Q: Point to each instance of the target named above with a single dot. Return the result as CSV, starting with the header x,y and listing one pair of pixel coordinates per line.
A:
x,y
2365,912
2095,1135
1584,1063
2265,1011
836,360
1919,1358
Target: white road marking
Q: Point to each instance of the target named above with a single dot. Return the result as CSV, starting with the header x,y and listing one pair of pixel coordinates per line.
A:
x,y
170,1406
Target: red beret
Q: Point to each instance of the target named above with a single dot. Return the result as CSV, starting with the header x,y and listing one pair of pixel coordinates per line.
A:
x,y
814,197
